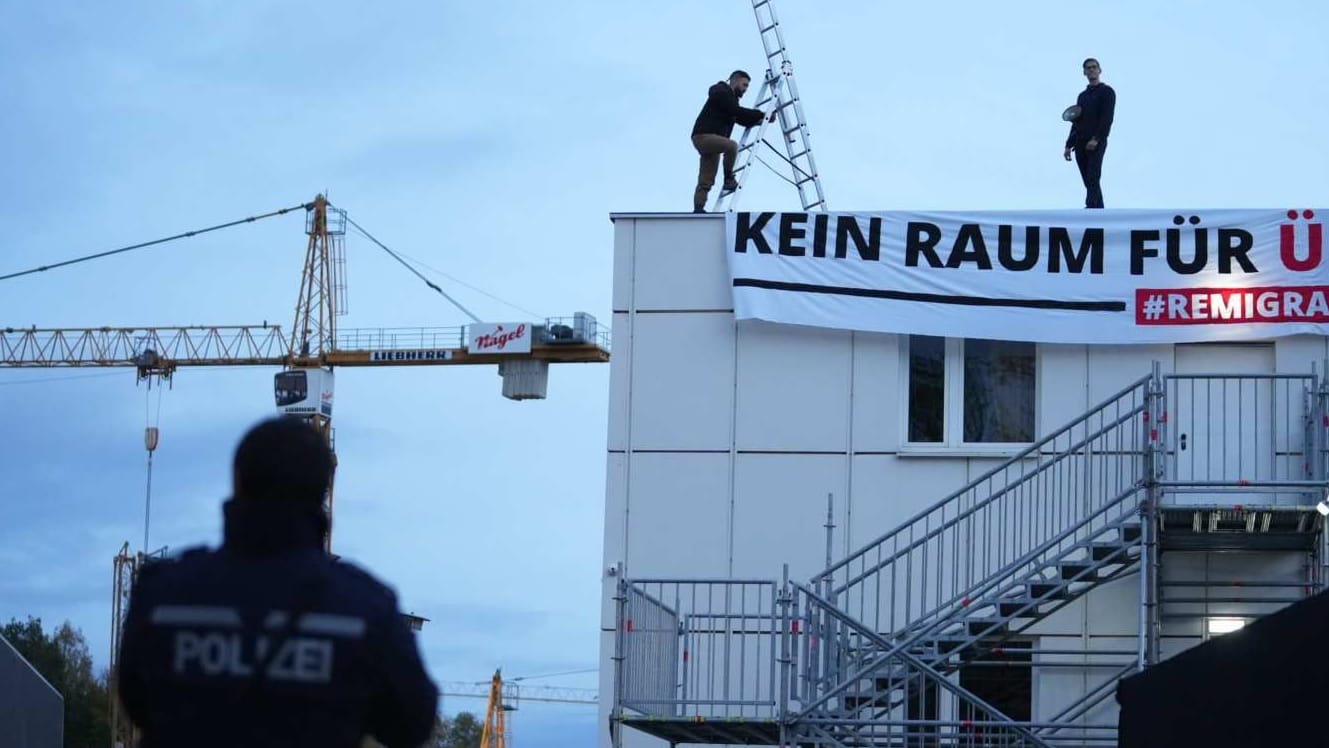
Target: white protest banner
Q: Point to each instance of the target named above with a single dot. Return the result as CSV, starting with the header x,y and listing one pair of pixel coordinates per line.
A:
x,y
1084,276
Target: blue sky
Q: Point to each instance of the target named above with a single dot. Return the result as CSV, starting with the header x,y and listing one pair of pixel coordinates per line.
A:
x,y
491,140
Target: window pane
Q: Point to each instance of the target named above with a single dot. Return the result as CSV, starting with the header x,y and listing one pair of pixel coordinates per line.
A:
x,y
927,388
998,391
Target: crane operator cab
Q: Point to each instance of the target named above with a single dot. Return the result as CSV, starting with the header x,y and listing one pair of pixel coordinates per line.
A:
x,y
304,392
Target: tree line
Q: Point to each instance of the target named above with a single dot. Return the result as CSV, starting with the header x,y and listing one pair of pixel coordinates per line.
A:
x,y
61,657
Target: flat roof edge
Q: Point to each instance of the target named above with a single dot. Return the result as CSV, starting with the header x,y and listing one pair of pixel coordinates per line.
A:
x,y
663,214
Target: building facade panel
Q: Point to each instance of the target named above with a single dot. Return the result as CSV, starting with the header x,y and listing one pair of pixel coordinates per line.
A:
x,y
768,420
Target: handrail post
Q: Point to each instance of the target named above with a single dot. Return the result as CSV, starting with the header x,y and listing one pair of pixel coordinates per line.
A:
x,y
1320,411
830,636
1154,456
785,622
616,711
1320,429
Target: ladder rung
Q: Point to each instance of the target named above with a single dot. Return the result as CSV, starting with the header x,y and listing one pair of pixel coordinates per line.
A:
x,y
780,103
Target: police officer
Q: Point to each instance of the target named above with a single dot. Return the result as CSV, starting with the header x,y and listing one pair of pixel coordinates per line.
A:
x,y
269,641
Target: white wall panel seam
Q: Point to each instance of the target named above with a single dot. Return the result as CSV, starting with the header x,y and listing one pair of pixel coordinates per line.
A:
x,y
627,437
849,448
733,448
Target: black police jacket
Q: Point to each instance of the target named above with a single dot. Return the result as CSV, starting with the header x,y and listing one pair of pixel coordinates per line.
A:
x,y
269,641
721,111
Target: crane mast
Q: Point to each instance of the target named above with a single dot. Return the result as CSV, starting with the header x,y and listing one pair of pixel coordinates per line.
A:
x,y
495,733
321,288
314,333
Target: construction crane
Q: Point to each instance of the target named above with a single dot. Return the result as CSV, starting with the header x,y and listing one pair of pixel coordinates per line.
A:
x,y
125,567
522,351
495,733
503,697
515,693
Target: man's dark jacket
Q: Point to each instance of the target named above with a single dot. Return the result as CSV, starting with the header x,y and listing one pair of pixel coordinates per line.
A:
x,y
340,661
721,111
1097,106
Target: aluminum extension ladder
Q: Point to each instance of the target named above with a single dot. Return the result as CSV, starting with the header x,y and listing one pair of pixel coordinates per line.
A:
x,y
778,91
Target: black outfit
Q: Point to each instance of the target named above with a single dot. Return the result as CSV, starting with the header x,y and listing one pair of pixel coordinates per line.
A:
x,y
1097,104
710,136
721,111
269,641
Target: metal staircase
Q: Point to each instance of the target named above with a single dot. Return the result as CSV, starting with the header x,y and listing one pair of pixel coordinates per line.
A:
x,y
887,672
872,651
844,658
982,565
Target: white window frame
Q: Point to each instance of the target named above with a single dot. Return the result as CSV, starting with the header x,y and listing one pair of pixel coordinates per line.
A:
x,y
952,443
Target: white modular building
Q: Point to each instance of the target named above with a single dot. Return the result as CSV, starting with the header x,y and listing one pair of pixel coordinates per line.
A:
x,y
820,531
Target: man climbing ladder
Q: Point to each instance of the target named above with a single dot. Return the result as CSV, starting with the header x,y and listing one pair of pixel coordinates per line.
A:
x,y
712,130
778,96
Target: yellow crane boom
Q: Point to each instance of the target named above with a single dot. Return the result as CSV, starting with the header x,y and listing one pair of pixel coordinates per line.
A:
x,y
159,351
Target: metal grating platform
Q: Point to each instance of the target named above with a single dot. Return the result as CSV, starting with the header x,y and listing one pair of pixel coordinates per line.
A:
x,y
1239,528
700,730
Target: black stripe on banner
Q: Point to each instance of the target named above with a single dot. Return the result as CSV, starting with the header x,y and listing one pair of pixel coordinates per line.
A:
x,y
881,293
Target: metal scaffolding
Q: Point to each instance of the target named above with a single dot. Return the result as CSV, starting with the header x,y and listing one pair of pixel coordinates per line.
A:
x,y
888,646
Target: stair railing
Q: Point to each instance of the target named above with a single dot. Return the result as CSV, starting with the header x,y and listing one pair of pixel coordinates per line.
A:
x,y
932,564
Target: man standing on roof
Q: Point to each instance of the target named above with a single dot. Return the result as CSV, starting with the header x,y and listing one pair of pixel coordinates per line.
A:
x,y
1089,132
710,134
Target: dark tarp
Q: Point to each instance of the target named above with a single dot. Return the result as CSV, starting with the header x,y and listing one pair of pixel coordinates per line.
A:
x,y
1266,684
